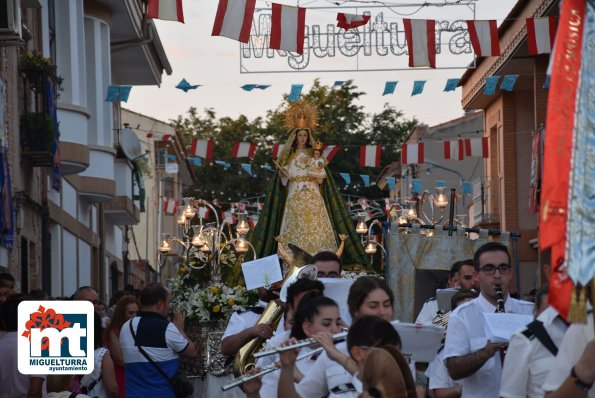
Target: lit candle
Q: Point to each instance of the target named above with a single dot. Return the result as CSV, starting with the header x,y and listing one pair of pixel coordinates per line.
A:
x,y
370,248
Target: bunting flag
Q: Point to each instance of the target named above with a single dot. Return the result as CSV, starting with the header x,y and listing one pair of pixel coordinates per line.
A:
x,y
203,212
412,153
243,150
416,185
228,217
418,87
170,206
169,10
508,82
225,165
346,177
454,150
159,136
351,21
287,28
391,181
467,188
185,86
247,168
330,151
234,19
389,87
296,91
440,183
369,155
366,179
338,83
421,42
250,87
202,148
451,84
118,93
484,37
541,33
477,147
195,161
268,168
277,149
491,84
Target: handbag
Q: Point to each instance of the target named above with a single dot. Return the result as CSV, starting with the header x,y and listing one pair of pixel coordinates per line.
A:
x,y
179,382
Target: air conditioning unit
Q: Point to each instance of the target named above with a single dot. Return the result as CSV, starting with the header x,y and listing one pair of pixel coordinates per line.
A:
x,y
10,20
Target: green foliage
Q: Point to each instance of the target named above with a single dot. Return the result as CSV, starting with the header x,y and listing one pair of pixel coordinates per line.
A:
x,y
37,132
342,121
35,68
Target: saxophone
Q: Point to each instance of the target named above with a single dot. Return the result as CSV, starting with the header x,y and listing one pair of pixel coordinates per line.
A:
x,y
499,300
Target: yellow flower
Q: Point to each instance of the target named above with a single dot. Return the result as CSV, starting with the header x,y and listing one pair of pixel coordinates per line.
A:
x,y
216,308
214,289
230,302
182,270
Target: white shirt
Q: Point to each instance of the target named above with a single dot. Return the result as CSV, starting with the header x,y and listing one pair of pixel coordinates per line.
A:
x,y
570,351
239,322
276,340
13,384
428,312
466,335
527,360
438,374
326,374
270,381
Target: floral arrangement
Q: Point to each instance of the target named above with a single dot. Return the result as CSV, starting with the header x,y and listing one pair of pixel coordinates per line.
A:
x,y
212,303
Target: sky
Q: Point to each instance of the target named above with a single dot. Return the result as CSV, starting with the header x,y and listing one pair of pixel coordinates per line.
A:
x,y
214,63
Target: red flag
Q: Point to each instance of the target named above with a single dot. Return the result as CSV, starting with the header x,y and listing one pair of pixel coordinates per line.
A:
x,y
484,37
369,155
421,42
277,149
412,153
477,147
169,10
330,151
351,21
170,206
202,148
234,19
454,150
243,150
541,33
287,28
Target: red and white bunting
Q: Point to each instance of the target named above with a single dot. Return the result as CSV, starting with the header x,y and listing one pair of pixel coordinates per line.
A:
x,y
159,136
330,151
477,147
169,10
484,37
277,149
351,21
454,150
243,150
412,153
369,155
170,206
203,212
421,42
541,33
202,148
234,19
241,206
287,28
228,217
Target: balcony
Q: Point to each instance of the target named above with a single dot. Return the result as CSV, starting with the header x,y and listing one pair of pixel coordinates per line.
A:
x,y
121,209
74,152
96,184
38,133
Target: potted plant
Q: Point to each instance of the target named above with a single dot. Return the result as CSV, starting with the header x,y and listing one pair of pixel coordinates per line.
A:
x,y
37,132
35,68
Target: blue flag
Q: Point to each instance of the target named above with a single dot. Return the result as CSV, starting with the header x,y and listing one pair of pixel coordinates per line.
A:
x,y
226,165
118,93
508,82
267,167
391,183
546,83
247,168
451,84
441,184
338,83
346,177
491,84
418,87
185,86
467,188
365,179
389,87
170,157
195,160
262,86
416,185
296,91
249,87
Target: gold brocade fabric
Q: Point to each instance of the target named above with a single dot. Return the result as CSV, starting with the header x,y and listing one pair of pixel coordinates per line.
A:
x,y
305,222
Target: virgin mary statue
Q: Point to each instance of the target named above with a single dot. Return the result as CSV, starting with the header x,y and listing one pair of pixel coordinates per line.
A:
x,y
303,205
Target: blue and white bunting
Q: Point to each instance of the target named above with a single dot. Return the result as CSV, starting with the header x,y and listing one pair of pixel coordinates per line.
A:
x,y
247,168
451,84
441,183
118,93
391,181
346,177
491,85
418,87
389,87
508,82
185,86
225,165
416,185
296,91
365,179
467,188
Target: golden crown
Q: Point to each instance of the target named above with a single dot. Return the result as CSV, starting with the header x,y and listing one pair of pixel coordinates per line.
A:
x,y
318,145
302,115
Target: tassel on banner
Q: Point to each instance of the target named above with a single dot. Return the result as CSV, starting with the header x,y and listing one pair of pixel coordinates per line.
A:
x,y
578,306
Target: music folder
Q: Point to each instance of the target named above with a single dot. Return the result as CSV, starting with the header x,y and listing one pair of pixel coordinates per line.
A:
x,y
419,343
499,327
444,296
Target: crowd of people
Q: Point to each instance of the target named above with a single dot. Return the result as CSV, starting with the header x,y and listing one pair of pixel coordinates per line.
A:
x,y
139,341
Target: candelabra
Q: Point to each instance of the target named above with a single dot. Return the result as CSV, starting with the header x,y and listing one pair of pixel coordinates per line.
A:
x,y
370,245
206,242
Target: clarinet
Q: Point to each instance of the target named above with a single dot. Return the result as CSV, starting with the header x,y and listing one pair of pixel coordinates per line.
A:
x,y
499,300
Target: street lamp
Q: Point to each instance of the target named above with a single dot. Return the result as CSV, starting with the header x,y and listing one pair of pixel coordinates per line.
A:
x,y
206,241
370,245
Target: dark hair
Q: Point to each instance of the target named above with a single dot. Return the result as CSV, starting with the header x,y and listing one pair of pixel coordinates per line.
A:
x,y
152,294
489,247
294,143
5,276
456,267
361,288
9,312
98,332
309,307
540,294
461,295
371,331
303,285
38,294
119,316
326,256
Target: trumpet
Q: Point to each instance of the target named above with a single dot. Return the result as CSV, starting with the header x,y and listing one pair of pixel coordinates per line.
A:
x,y
266,370
302,343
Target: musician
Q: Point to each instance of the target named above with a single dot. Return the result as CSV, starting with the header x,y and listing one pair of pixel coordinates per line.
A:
x,y
469,355
315,314
327,264
368,296
468,276
430,308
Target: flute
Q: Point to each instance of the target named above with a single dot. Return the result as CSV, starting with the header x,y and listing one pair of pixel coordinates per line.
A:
x,y
266,370
298,344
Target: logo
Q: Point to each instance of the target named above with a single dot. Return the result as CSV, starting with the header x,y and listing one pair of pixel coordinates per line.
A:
x,y
56,337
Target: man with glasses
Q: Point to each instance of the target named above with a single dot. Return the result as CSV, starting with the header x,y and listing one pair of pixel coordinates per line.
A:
x,y
327,264
470,356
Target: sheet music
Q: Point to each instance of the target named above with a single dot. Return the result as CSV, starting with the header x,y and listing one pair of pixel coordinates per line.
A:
x,y
443,296
262,272
499,328
419,343
338,290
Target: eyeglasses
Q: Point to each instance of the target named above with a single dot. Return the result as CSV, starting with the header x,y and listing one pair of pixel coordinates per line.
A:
x,y
490,269
331,274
